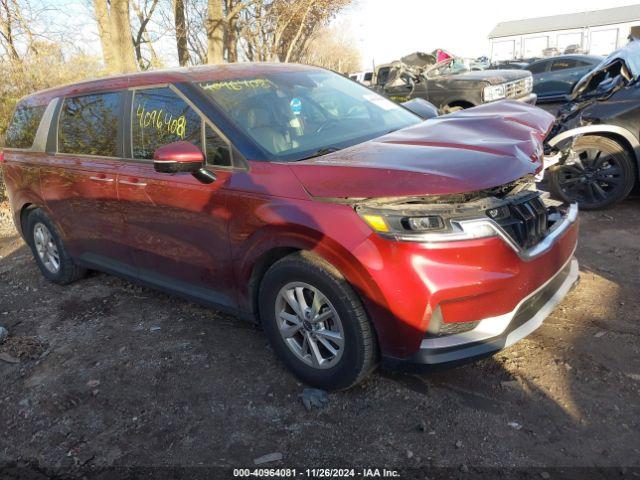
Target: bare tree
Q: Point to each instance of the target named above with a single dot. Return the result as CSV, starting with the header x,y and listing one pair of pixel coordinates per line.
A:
x,y
182,35
280,30
114,28
332,48
8,21
144,10
222,28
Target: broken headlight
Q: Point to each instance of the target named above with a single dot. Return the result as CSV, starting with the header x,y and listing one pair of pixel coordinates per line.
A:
x,y
494,92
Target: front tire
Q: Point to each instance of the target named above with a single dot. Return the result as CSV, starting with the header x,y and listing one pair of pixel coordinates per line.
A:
x,y
316,323
49,251
602,175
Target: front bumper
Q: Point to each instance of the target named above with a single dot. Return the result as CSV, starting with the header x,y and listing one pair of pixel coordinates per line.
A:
x,y
495,333
437,290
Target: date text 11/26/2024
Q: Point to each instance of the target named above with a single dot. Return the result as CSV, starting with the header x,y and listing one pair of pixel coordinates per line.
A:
x,y
316,473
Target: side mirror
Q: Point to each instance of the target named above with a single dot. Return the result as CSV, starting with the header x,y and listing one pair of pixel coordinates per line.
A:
x,y
422,108
178,157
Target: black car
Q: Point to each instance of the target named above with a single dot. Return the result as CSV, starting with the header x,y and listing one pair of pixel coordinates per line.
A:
x,y
595,137
554,78
449,84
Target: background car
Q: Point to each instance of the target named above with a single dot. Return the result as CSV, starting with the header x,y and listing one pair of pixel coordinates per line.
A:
x,y
554,78
596,133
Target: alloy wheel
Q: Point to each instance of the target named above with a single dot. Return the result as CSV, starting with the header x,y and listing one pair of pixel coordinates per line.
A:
x,y
309,325
593,177
46,247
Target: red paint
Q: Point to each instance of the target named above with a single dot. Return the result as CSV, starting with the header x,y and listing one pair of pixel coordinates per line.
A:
x,y
471,150
179,152
212,236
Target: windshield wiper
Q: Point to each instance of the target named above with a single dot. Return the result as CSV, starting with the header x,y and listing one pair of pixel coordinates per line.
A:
x,y
321,152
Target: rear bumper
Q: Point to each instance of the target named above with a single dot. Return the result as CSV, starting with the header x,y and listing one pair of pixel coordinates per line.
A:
x,y
495,333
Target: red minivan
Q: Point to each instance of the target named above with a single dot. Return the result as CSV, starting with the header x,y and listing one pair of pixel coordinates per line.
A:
x,y
353,230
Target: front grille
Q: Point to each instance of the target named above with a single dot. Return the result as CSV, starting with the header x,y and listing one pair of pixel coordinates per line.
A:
x,y
526,222
518,88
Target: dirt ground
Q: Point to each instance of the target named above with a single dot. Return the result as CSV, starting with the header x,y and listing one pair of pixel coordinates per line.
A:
x,y
111,374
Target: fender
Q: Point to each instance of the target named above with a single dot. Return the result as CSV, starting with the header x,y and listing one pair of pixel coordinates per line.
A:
x,y
297,237
591,129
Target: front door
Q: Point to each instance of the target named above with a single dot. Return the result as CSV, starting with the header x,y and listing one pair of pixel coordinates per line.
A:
x,y
176,225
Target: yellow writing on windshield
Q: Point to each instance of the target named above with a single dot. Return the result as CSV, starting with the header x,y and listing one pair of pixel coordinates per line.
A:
x,y
162,122
238,85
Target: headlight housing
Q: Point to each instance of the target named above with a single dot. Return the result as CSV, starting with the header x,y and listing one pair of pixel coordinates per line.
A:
x,y
528,84
419,227
494,92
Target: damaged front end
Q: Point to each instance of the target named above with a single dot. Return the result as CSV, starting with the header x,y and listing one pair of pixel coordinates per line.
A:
x,y
527,220
591,150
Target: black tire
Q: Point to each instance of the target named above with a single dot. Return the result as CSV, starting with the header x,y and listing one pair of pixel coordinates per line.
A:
x,y
68,271
608,176
360,352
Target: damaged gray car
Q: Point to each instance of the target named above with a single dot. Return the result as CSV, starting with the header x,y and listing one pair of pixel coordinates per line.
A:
x,y
450,84
594,147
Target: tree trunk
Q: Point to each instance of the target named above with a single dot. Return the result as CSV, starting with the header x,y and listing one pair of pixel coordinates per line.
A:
x,y
115,35
215,32
181,32
104,30
232,40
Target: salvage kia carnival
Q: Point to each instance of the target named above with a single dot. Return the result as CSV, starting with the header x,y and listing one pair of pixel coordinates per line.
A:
x,y
350,228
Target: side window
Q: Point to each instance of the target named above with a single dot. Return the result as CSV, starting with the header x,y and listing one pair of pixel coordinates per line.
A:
x,y
161,117
24,125
562,65
383,75
88,125
538,67
217,149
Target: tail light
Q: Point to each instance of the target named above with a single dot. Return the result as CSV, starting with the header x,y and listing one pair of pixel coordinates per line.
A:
x,y
1,156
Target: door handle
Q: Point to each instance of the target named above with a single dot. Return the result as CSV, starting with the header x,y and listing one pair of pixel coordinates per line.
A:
x,y
101,179
132,183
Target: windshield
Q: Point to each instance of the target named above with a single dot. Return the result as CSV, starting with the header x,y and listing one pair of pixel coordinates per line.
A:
x,y
296,115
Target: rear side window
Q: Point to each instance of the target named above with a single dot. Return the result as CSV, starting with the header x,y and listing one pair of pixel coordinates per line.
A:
x,y
24,125
538,67
563,64
161,117
88,125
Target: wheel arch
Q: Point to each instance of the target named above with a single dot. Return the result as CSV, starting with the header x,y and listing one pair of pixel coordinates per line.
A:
x,y
256,261
460,103
25,210
614,132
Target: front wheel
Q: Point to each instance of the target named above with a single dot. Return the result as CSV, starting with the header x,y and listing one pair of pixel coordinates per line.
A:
x,y
316,323
601,174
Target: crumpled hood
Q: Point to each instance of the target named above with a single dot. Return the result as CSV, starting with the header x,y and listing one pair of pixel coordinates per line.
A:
x,y
470,150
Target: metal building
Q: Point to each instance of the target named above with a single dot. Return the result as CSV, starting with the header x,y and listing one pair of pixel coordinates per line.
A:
x,y
598,32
